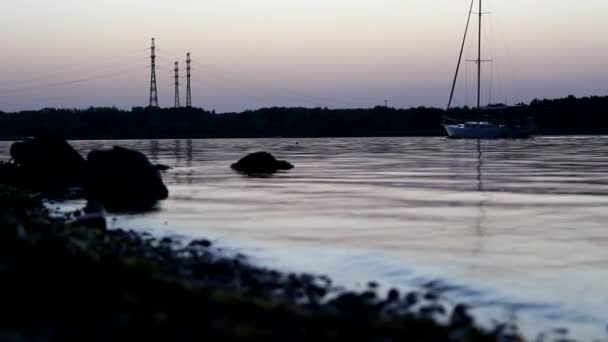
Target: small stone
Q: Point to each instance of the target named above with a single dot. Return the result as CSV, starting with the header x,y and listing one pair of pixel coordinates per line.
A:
x,y
460,316
431,296
393,295
200,243
411,299
94,221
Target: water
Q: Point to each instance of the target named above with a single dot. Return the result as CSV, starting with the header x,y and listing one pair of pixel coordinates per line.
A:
x,y
517,228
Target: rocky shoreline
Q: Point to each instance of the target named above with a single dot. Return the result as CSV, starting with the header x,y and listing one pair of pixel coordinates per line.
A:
x,y
70,279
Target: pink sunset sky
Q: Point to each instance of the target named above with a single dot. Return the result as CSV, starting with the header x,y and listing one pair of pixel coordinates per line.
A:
x,y
330,53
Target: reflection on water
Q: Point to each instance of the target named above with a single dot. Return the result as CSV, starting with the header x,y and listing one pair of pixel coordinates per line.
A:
x,y
479,223
515,227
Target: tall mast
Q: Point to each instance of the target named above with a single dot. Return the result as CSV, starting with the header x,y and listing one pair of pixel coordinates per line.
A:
x,y
464,40
479,60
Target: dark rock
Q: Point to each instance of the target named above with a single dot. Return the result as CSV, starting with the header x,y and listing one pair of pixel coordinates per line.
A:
x,y
47,163
393,295
411,299
461,317
369,296
10,174
200,243
431,296
161,167
166,241
261,163
349,303
92,207
123,180
91,216
432,310
94,220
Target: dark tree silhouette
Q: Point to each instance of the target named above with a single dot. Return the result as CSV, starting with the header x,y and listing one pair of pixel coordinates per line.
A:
x,y
569,115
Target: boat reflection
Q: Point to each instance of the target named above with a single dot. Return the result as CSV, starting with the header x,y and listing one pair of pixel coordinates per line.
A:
x,y
480,227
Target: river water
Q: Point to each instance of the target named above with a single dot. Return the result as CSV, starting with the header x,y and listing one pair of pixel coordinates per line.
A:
x,y
515,227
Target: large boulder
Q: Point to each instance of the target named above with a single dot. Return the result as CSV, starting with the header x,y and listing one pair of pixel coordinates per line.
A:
x,y
123,180
261,163
48,163
10,174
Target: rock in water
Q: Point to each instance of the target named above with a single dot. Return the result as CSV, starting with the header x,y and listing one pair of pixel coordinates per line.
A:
x,y
162,167
123,180
261,163
48,163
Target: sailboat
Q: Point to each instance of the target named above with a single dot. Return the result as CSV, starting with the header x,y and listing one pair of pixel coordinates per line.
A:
x,y
480,129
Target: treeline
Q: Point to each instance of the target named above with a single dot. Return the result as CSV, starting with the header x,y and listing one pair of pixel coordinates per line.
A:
x,y
571,115
112,123
562,116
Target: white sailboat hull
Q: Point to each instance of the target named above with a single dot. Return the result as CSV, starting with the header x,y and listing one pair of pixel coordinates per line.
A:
x,y
485,131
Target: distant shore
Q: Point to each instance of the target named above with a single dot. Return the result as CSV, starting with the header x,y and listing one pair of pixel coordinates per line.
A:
x,y
603,132
414,135
567,116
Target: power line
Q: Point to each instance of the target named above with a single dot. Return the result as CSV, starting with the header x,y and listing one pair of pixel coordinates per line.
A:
x,y
97,76
60,73
286,92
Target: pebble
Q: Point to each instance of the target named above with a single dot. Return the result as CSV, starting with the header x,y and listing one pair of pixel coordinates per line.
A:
x,y
393,295
411,299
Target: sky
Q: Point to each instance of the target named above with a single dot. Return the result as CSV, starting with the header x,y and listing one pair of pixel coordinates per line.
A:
x,y
316,53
